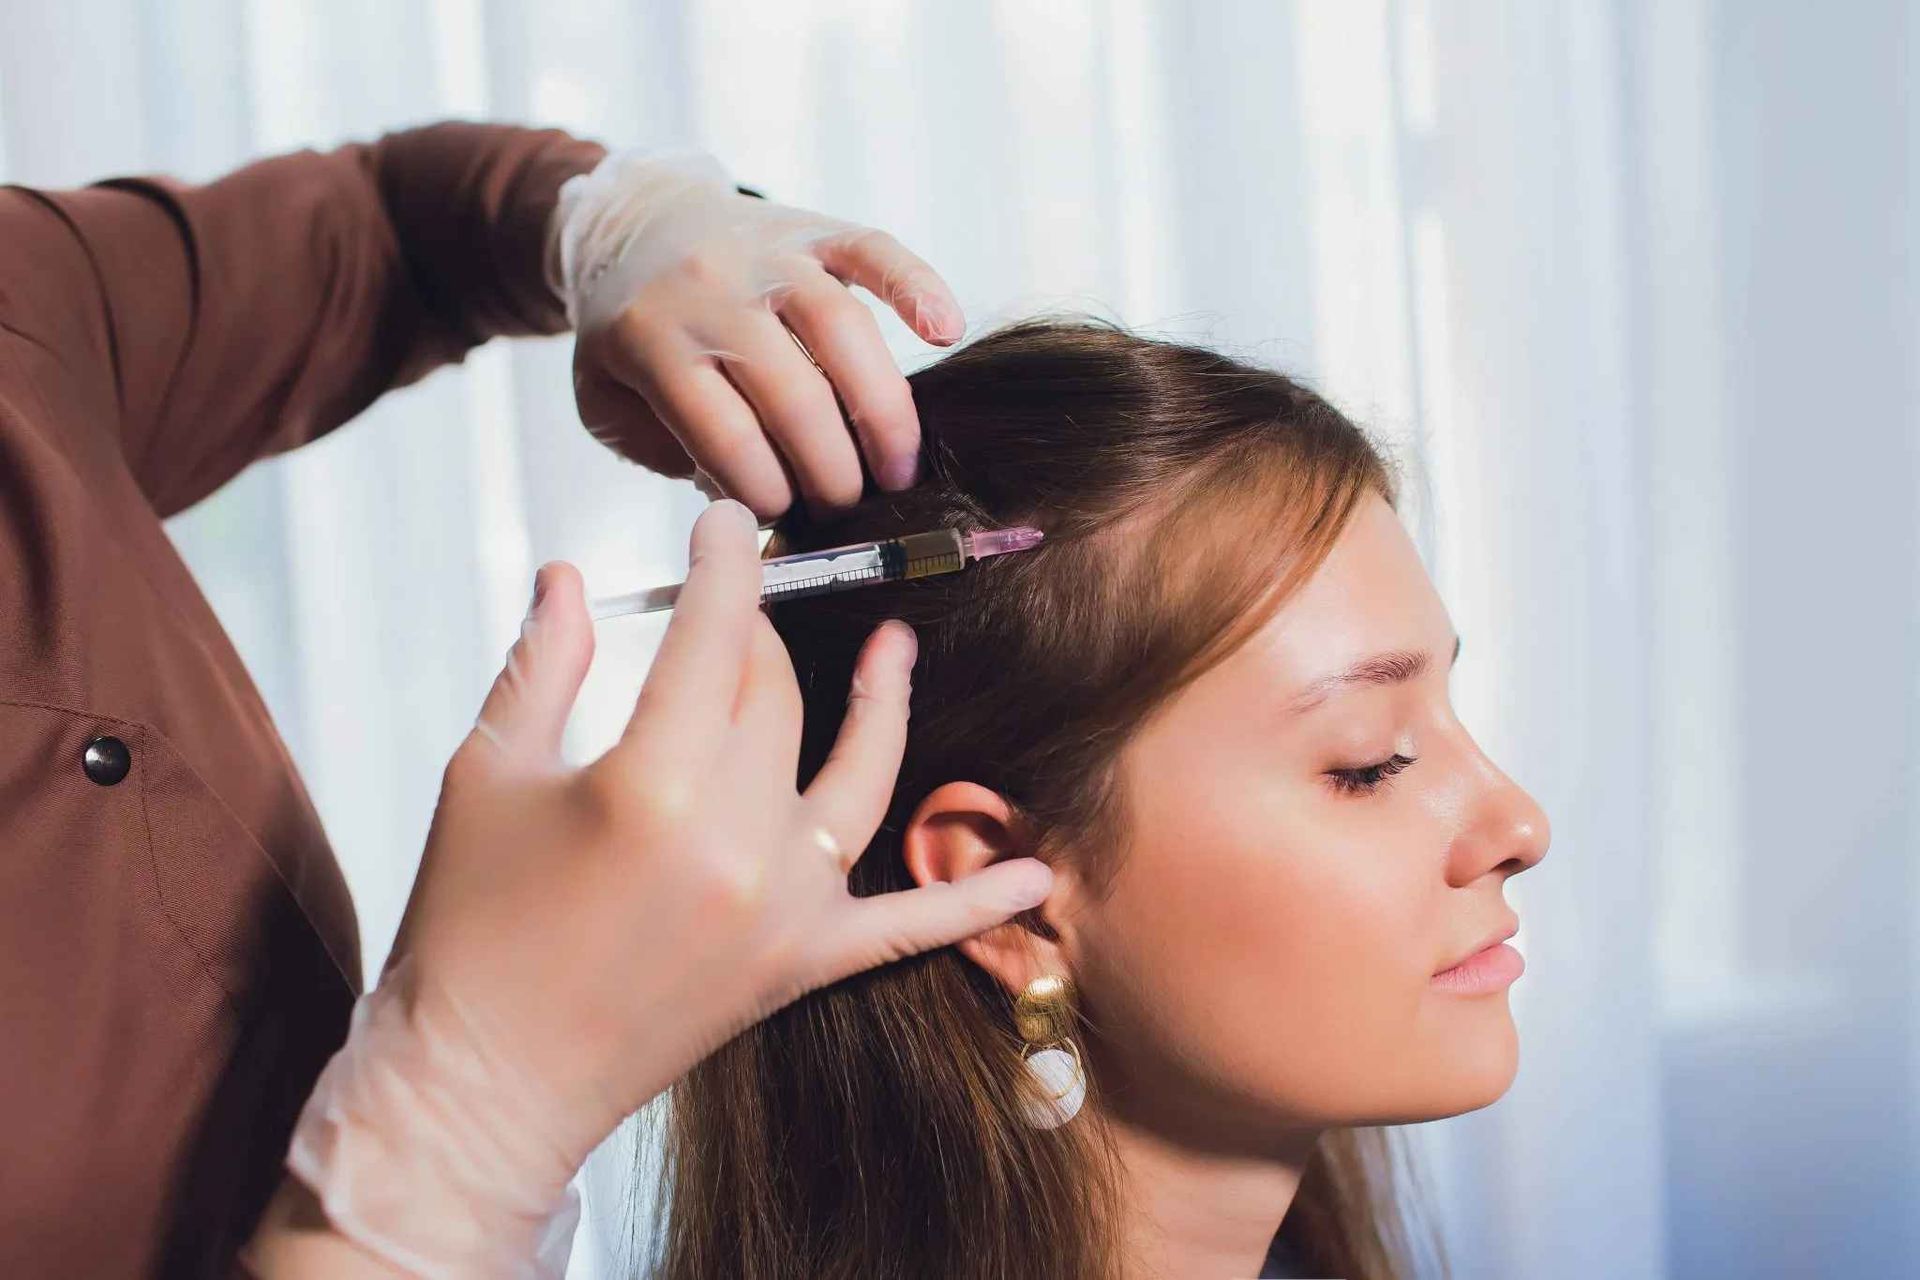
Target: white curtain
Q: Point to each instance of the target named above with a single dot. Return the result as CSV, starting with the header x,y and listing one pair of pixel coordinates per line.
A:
x,y
1631,282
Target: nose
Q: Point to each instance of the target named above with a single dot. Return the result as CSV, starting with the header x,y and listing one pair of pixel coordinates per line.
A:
x,y
1508,831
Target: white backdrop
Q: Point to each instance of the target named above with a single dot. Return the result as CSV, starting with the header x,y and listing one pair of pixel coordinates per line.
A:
x,y
1632,281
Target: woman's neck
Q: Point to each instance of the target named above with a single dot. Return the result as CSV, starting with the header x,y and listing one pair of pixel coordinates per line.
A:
x,y
1188,1212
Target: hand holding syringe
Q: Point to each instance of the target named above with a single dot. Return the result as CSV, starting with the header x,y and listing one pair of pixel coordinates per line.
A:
x,y
813,573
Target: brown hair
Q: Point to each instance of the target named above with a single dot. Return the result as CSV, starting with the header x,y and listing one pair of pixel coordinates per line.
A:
x,y
872,1129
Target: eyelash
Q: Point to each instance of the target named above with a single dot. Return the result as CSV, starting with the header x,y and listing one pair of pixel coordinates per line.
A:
x,y
1365,781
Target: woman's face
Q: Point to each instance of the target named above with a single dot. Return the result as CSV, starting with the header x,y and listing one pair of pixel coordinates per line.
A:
x,y
1267,951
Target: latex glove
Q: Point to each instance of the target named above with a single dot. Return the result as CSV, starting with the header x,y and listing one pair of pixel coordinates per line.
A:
x,y
689,297
579,937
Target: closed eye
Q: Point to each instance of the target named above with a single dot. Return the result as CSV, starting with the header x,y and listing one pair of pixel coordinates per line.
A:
x,y
1368,778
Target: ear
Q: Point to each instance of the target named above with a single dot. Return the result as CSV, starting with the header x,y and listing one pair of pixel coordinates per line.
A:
x,y
961,828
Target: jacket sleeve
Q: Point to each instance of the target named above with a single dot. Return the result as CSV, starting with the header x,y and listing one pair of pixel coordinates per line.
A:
x,y
252,314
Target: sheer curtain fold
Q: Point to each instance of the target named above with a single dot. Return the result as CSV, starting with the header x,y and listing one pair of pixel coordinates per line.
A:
x,y
1626,286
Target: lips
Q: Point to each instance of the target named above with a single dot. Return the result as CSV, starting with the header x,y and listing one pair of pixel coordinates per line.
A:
x,y
1493,939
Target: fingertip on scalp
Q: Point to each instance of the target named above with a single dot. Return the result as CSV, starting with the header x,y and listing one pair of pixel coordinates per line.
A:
x,y
909,639
900,473
893,638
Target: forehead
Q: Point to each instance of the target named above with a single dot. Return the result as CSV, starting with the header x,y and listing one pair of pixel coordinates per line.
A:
x,y
1370,595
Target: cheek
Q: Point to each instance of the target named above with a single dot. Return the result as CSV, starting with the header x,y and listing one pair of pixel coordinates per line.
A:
x,y
1275,939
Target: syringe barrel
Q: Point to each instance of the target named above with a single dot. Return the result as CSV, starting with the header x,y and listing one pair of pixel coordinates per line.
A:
x,y
830,569
936,551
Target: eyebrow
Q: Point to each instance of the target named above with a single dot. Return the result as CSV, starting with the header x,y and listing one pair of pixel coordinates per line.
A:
x,y
1396,667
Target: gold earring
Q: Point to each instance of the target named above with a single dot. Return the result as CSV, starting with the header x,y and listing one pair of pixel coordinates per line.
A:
x,y
1044,1018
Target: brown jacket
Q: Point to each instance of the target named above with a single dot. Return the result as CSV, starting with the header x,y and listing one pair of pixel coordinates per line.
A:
x,y
177,948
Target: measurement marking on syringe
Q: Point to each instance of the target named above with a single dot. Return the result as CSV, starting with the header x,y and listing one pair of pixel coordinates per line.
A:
x,y
819,581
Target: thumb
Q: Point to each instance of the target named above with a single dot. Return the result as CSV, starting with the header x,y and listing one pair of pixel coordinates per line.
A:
x,y
527,708
893,926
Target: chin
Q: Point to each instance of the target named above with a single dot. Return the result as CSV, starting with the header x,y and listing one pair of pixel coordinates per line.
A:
x,y
1469,1071
1479,1069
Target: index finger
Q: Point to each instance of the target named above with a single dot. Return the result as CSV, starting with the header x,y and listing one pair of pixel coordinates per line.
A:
x,y
898,277
687,699
850,793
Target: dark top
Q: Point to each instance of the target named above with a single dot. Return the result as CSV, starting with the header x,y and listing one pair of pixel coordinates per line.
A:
x,y
178,953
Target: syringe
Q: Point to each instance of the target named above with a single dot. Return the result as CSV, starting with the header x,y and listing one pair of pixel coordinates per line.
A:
x,y
814,573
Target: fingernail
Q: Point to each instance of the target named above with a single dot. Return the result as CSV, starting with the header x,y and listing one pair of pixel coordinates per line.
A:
x,y
900,473
909,645
901,641
539,591
737,513
1028,883
943,322
905,652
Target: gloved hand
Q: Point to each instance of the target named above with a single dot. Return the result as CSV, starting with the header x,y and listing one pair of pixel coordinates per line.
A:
x,y
579,938
688,298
